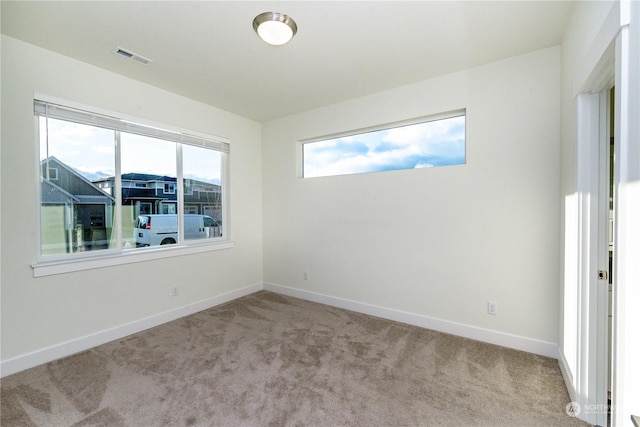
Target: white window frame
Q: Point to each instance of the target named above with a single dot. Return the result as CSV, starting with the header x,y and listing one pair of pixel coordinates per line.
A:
x,y
169,208
386,126
169,188
49,265
188,190
53,174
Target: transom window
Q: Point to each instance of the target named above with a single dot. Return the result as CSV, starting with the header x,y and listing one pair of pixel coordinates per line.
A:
x,y
430,142
109,185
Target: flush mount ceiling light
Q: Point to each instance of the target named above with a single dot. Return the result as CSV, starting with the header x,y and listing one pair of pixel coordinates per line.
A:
x,y
275,28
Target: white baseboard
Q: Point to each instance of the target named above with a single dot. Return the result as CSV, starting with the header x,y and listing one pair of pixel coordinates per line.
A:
x,y
566,375
516,342
30,360
68,348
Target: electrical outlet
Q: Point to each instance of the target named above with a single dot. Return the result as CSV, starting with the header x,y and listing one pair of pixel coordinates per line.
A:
x,y
174,291
305,275
492,307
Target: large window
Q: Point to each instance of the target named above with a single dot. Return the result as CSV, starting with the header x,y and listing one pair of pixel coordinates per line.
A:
x,y
430,142
109,185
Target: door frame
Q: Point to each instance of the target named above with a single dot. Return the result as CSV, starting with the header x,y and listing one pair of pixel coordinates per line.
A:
x,y
590,383
593,180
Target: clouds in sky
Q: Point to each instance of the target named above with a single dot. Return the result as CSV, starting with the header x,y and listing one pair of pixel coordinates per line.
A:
x,y
90,150
429,144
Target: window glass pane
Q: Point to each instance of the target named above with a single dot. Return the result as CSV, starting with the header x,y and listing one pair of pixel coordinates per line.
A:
x,y
76,214
149,213
202,179
428,144
81,193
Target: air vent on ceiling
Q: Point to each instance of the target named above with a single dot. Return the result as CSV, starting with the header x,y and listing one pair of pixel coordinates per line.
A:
x,y
130,55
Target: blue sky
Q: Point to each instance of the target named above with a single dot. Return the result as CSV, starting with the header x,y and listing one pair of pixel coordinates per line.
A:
x,y
429,144
91,151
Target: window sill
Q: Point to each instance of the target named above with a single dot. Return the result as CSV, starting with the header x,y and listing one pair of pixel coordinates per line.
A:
x,y
48,268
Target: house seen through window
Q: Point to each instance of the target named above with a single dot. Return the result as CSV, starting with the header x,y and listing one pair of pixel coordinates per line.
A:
x,y
109,185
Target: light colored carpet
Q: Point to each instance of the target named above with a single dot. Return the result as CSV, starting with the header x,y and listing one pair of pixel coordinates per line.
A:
x,y
271,360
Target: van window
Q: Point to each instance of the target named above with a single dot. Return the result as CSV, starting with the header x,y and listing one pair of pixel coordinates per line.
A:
x,y
141,222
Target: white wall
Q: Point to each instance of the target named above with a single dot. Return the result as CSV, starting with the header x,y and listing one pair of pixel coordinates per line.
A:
x,y
50,311
436,242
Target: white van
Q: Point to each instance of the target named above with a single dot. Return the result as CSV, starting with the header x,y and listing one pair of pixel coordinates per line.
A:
x,y
153,230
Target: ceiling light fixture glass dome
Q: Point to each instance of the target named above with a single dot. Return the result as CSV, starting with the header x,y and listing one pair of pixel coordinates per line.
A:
x,y
275,28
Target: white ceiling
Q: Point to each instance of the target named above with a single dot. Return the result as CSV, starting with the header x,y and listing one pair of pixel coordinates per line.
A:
x,y
208,51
